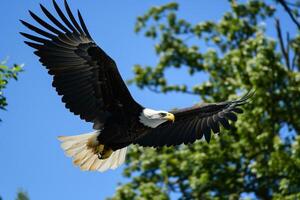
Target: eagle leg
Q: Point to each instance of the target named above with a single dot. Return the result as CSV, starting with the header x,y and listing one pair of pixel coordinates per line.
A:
x,y
105,153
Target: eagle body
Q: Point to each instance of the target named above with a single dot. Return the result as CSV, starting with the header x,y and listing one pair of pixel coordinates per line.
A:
x,y
91,86
119,131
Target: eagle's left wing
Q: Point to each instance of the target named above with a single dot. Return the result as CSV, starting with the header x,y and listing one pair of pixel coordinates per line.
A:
x,y
193,123
83,74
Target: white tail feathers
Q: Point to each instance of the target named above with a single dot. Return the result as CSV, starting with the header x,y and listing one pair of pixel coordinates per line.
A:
x,y
83,156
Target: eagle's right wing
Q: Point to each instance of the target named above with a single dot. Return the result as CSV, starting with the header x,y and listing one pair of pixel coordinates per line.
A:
x,y
194,123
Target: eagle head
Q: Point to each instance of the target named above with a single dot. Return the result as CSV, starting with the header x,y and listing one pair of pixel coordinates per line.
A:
x,y
153,118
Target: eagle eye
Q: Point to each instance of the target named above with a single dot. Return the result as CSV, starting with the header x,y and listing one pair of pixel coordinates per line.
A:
x,y
162,114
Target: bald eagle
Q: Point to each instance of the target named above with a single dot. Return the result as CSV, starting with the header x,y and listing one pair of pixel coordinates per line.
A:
x,y
91,86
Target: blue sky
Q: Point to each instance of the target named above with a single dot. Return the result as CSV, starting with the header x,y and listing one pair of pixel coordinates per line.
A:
x,y
31,158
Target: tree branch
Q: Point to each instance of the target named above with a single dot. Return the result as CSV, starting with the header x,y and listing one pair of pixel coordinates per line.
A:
x,y
283,50
155,90
288,10
294,61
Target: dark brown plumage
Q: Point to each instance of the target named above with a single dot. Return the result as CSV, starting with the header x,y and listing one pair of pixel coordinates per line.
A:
x,y
193,123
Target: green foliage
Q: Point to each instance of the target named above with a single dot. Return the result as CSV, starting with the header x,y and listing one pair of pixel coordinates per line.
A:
x,y
22,196
7,73
261,154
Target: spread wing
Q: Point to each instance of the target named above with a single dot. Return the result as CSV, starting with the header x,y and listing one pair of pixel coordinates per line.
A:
x,y
86,77
193,123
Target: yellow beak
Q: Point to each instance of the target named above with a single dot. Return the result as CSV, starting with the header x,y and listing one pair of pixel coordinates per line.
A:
x,y
170,117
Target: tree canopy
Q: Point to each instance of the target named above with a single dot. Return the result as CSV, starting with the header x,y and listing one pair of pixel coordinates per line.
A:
x,y
260,156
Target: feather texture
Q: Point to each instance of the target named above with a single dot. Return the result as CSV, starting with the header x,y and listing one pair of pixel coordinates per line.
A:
x,y
194,123
83,156
83,72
